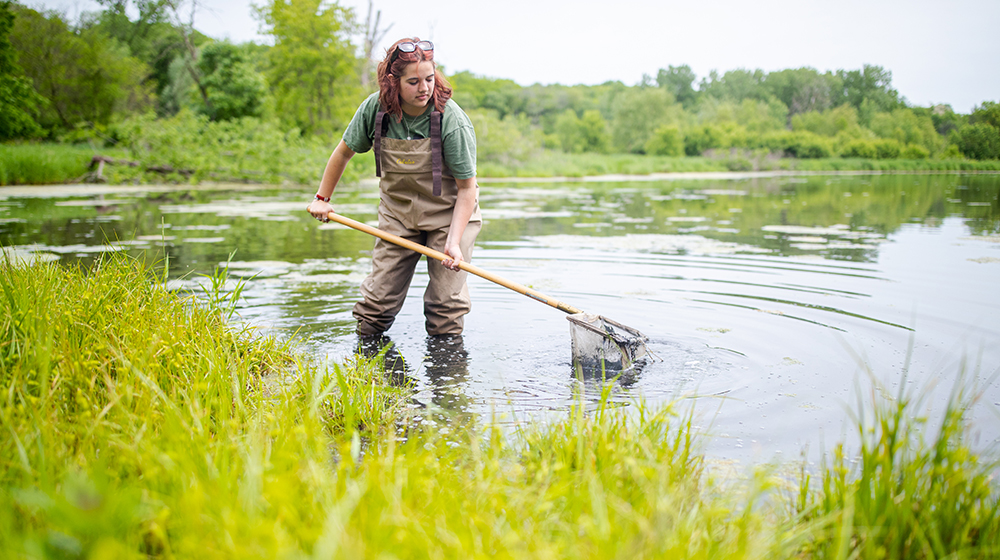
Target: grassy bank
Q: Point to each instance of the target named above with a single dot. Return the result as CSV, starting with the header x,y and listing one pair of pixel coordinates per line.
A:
x,y
136,423
185,148
559,164
39,164
176,156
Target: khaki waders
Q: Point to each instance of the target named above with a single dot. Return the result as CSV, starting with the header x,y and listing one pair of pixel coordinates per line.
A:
x,y
417,200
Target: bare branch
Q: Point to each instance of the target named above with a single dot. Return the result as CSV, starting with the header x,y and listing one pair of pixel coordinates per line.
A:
x,y
373,36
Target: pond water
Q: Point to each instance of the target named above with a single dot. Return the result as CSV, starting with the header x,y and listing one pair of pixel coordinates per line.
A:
x,y
775,300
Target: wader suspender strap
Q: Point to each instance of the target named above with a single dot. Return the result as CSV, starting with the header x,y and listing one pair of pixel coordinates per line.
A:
x,y
436,162
380,127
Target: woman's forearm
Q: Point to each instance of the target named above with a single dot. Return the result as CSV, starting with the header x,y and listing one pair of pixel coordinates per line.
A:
x,y
335,166
465,205
335,169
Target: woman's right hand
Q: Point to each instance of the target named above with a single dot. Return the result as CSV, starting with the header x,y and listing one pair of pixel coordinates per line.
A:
x,y
320,210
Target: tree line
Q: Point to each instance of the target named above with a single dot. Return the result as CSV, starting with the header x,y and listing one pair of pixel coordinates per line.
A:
x,y
70,81
796,112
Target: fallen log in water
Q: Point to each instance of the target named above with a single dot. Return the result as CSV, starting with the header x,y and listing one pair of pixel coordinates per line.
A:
x,y
97,163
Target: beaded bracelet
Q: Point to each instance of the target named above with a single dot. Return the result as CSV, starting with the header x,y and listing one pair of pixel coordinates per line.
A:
x,y
323,198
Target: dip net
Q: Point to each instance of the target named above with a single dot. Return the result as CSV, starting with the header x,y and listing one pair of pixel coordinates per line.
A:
x,y
601,345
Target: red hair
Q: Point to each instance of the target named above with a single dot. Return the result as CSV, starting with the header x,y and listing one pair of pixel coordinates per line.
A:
x,y
389,73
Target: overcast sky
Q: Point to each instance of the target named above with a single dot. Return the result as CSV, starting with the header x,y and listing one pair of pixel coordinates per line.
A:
x,y
938,52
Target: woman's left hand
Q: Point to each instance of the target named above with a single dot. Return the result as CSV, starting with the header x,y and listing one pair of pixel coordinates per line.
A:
x,y
455,252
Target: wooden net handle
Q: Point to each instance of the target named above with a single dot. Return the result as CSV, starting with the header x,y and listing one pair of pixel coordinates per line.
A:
x,y
431,253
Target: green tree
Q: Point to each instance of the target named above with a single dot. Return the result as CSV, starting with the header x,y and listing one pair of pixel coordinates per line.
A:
x,y
312,68
145,27
679,81
588,133
872,85
754,115
735,85
637,113
802,90
595,131
503,141
569,132
907,127
19,102
86,76
839,120
474,92
235,87
945,119
978,141
180,91
987,113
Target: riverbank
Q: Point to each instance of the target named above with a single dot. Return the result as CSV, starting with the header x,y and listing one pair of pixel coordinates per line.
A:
x,y
34,164
140,422
559,164
717,175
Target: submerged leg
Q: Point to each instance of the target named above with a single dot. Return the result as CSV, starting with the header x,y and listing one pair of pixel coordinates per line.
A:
x,y
446,299
384,290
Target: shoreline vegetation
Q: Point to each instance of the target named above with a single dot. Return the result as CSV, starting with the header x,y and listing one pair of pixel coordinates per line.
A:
x,y
129,93
49,164
138,422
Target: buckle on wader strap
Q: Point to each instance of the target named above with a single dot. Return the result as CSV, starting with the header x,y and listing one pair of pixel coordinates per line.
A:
x,y
437,162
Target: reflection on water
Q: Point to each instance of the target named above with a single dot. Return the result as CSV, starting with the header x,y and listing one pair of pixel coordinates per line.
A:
x,y
766,296
445,368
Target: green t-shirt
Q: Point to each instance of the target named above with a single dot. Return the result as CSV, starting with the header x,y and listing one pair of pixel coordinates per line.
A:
x,y
458,137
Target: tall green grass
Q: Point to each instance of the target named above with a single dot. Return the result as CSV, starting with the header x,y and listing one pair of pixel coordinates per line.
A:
x,y
38,164
139,423
914,490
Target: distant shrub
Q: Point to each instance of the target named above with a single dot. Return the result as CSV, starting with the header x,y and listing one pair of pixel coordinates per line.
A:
x,y
907,127
702,138
914,151
776,141
198,149
952,152
859,149
978,141
505,141
666,141
807,145
887,148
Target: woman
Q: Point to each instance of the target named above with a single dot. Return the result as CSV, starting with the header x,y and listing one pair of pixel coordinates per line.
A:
x,y
425,149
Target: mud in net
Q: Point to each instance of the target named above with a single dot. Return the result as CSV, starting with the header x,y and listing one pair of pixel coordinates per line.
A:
x,y
601,345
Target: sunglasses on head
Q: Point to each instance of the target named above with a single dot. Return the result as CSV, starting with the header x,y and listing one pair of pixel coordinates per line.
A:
x,y
410,46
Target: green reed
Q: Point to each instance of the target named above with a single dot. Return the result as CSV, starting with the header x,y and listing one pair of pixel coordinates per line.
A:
x,y
907,495
137,423
37,164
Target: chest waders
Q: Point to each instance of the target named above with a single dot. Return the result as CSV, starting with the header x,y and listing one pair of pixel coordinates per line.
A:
x,y
417,200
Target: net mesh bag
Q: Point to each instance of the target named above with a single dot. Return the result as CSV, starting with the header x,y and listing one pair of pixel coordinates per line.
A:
x,y
600,344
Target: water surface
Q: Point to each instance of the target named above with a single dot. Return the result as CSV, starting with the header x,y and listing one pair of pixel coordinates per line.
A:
x,y
768,298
